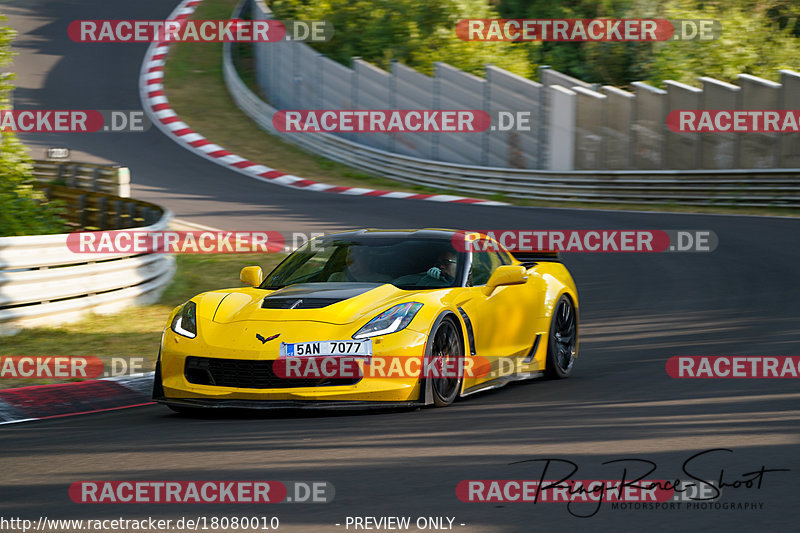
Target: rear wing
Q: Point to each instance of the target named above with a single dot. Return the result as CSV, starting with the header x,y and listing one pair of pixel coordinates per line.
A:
x,y
528,259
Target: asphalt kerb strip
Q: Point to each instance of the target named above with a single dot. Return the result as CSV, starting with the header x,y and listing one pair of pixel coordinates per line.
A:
x,y
40,402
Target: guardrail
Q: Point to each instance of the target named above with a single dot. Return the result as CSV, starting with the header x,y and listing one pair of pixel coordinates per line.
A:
x,y
746,188
44,283
111,179
87,210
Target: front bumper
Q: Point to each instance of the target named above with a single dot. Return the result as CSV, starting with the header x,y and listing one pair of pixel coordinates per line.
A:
x,y
238,342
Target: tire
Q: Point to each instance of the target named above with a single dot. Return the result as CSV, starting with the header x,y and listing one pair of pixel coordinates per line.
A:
x,y
158,387
563,340
446,346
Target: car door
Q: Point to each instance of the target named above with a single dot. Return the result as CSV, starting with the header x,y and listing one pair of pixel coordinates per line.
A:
x,y
502,327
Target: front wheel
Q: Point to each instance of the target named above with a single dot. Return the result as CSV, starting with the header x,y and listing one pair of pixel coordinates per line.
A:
x,y
446,355
563,340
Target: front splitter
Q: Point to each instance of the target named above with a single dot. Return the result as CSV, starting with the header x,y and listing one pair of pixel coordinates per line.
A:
x,y
339,405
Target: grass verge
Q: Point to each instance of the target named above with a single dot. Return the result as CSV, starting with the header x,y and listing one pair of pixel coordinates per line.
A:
x,y
136,331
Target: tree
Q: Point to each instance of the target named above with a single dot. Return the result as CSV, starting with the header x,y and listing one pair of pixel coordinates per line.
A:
x,y
23,209
758,37
417,33
755,40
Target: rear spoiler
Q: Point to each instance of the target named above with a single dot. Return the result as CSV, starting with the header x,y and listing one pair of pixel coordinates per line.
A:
x,y
528,259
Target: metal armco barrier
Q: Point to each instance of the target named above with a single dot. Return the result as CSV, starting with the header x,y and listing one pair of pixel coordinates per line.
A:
x,y
86,210
111,179
44,283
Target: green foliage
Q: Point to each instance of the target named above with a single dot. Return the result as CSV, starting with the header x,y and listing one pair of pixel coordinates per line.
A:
x,y
752,42
759,37
417,33
23,210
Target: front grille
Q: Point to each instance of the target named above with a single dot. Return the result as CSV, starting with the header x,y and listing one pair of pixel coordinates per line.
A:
x,y
298,303
247,374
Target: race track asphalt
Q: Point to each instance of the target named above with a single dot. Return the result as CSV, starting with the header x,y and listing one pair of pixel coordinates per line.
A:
x,y
637,310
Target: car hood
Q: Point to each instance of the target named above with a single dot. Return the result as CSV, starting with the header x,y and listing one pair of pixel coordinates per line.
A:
x,y
334,303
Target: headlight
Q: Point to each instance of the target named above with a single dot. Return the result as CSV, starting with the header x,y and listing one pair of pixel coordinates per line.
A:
x,y
391,320
185,321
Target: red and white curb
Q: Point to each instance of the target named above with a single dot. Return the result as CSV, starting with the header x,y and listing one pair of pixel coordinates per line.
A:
x,y
43,402
156,105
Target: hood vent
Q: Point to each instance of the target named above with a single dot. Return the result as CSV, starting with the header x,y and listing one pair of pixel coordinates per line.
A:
x,y
314,295
298,303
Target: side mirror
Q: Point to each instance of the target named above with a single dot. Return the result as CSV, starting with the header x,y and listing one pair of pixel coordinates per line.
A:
x,y
252,275
505,275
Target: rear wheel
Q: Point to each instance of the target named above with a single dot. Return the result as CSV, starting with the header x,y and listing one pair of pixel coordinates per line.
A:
x,y
563,341
446,358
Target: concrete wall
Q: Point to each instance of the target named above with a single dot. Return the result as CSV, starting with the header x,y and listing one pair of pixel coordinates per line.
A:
x,y
561,127
789,155
610,128
719,150
620,114
759,150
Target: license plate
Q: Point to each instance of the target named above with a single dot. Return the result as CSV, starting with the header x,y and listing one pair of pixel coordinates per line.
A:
x,y
360,348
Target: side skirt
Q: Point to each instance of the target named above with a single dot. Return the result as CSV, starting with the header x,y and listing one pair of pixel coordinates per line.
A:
x,y
500,382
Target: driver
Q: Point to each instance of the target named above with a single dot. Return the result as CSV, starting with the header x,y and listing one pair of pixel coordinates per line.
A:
x,y
444,268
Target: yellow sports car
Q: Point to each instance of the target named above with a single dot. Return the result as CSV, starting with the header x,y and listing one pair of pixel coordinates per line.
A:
x,y
372,318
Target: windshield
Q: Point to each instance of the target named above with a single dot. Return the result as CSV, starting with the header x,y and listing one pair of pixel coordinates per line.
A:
x,y
406,264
